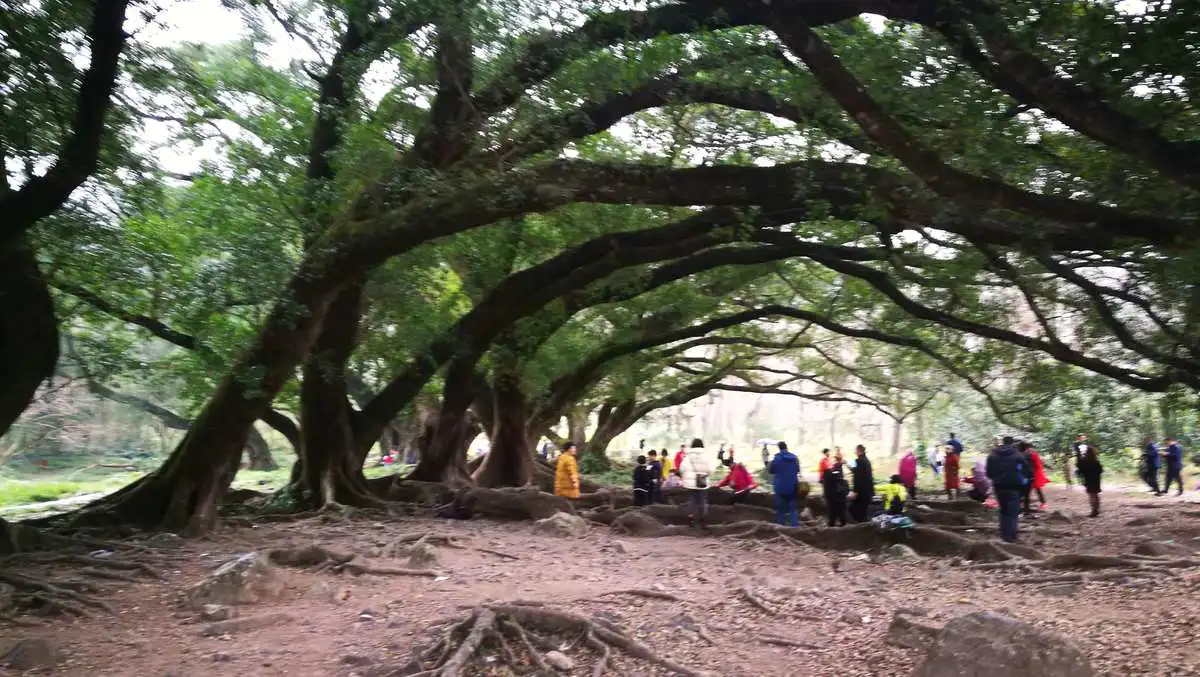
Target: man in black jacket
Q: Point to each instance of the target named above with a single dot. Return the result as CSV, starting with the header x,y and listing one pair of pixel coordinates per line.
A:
x,y
1006,468
863,486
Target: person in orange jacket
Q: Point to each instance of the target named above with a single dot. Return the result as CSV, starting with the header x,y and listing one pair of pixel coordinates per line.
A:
x,y
566,473
741,479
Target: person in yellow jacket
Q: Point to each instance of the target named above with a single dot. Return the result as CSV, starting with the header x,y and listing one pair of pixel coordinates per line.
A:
x,y
894,496
566,473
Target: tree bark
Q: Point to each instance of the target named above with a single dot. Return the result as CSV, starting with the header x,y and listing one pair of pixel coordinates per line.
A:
x,y
444,459
577,422
329,469
258,453
28,331
509,462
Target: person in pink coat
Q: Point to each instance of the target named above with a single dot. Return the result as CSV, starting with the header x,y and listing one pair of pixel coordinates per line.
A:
x,y
1039,476
908,473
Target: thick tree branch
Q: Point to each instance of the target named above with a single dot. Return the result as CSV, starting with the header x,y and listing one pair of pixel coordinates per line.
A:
x,y
80,153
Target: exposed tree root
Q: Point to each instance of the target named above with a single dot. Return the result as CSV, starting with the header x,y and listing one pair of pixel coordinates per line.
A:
x,y
519,634
53,597
323,559
769,607
786,641
639,592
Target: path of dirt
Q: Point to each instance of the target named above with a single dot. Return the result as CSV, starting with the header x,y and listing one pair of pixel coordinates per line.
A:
x,y
339,625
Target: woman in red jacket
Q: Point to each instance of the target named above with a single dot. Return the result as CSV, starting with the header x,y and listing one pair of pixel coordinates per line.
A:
x,y
1039,476
741,479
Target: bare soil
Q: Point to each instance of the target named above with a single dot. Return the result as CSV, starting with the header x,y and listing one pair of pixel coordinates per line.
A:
x,y
836,606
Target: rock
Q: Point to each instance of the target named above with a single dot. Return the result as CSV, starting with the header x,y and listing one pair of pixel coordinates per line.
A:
x,y
165,539
356,659
851,617
1061,589
1142,521
620,548
217,612
246,579
905,632
221,657
562,524
984,644
6,595
29,654
422,556
1148,548
1061,517
899,551
235,625
559,660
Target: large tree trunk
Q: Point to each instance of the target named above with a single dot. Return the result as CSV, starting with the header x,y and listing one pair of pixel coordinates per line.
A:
x,y
183,494
510,461
445,459
577,422
28,331
329,469
258,453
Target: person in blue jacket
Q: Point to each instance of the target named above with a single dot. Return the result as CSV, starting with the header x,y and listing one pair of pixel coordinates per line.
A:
x,y
1150,462
785,474
1174,461
954,444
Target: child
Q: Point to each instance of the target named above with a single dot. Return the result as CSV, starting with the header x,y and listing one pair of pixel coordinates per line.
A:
x,y
894,496
657,469
674,480
1090,470
644,476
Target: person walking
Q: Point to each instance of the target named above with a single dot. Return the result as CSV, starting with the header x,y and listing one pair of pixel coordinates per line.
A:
x,y
1036,475
1151,461
694,471
1090,471
863,486
785,479
1007,474
835,488
739,478
908,473
1040,479
566,473
1173,460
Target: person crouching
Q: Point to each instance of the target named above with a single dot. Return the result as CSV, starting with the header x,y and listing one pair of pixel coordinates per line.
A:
x,y
895,496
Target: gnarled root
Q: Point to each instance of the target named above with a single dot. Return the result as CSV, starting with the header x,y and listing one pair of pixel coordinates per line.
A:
x,y
323,559
518,634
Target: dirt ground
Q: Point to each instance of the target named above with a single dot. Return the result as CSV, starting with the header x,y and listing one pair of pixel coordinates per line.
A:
x,y
837,604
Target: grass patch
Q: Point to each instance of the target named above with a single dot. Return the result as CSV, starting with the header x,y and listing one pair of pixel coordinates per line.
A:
x,y
16,492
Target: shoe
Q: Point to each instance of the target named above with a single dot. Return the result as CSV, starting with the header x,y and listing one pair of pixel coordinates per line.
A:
x,y
1043,507
1095,514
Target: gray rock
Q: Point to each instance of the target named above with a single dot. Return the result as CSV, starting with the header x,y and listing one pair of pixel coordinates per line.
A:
x,y
29,654
217,612
984,644
559,660
851,617
422,556
356,659
6,595
221,657
562,524
906,632
1061,517
899,551
246,579
620,548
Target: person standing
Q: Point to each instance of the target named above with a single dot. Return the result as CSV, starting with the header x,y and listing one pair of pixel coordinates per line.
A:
x,y
1173,460
644,476
951,472
566,473
1040,479
908,473
679,456
694,471
934,458
785,480
741,480
1005,470
656,469
1025,449
1090,471
835,488
824,464
863,489
1151,460
955,446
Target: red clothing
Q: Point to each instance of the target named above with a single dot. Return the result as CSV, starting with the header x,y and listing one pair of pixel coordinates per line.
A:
x,y
679,456
908,470
739,477
1039,470
951,471
822,467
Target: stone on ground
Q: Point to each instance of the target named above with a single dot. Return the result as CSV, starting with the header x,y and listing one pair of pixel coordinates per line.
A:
x,y
422,556
559,660
985,644
562,524
217,612
906,632
899,551
247,579
31,654
1061,517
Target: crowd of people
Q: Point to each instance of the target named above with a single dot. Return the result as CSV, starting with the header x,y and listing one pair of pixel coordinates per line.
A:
x,y
1007,478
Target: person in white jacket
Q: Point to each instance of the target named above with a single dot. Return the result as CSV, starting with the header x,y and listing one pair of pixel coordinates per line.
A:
x,y
695,471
